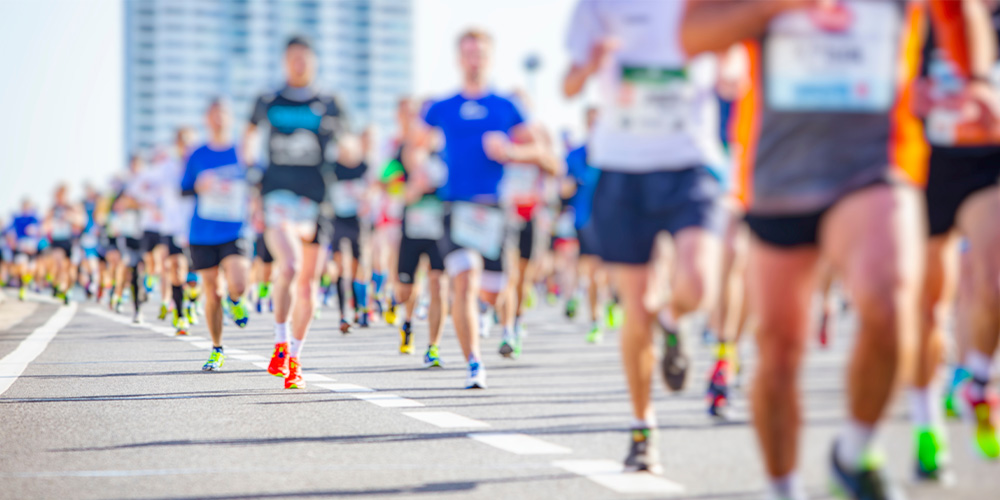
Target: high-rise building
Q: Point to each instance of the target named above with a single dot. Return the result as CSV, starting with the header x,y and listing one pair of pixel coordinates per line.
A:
x,y
181,53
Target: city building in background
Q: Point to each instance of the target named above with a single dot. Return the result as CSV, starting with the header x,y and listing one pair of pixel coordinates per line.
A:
x,y
181,53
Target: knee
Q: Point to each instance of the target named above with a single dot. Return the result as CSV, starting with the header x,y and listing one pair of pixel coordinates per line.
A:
x,y
691,291
780,349
287,271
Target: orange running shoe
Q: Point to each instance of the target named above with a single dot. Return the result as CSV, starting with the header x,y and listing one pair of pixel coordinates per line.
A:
x,y
294,378
279,360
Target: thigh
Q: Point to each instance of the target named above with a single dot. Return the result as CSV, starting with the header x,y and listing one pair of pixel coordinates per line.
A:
x,y
284,243
313,257
977,221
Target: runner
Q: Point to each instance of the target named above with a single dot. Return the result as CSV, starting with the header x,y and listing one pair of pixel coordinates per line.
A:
x,y
61,224
832,177
962,200
480,128
128,210
306,129
26,231
421,229
90,266
146,189
217,181
653,143
350,194
175,229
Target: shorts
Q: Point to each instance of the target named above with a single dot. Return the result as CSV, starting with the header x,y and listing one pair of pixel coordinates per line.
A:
x,y
323,231
130,250
793,230
446,246
260,250
951,180
349,228
64,245
209,256
589,242
631,209
149,241
172,248
526,239
410,251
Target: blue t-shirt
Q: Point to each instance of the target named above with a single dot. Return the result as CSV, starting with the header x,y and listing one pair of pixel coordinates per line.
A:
x,y
472,176
586,178
25,225
218,216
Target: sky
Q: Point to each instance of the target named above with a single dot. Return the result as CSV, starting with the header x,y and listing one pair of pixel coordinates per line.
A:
x,y
62,93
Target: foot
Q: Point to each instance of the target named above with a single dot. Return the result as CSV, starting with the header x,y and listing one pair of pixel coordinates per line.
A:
x,y
405,339
982,411
390,314
279,360
932,461
595,335
345,326
164,310
294,378
240,313
675,363
477,376
644,454
952,402
432,359
215,361
181,327
137,318
718,391
571,308
867,482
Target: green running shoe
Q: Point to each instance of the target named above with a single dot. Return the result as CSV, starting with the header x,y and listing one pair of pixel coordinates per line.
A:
x,y
432,359
933,461
595,335
215,361
240,312
571,305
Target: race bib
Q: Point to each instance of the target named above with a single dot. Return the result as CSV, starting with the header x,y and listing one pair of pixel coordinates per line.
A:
x,y
88,240
478,227
225,201
520,183
128,224
425,220
652,101
27,245
850,67
61,229
346,197
287,207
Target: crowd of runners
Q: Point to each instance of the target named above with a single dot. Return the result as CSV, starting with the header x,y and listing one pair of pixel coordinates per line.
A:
x,y
742,160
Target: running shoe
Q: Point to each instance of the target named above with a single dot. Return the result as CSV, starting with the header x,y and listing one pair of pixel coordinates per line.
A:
x,y
363,319
530,298
595,335
258,306
571,305
279,360
477,376
869,482
510,346
952,405
982,411
675,363
718,391
431,358
215,361
551,299
149,283
137,318
164,310
614,315
22,293
390,313
932,461
191,313
345,327
294,378
240,312
118,305
181,327
65,298
643,453
485,323
405,339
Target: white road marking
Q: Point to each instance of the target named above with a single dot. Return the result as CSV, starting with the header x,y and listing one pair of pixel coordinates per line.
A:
x,y
520,444
261,364
202,344
164,330
609,474
445,419
246,357
316,377
387,400
14,364
235,351
345,388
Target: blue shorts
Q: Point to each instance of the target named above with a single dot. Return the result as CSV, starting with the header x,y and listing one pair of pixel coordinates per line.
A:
x,y
631,209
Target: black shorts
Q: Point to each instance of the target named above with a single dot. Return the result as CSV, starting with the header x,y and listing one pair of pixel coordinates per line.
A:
x,y
64,245
630,209
260,250
130,250
172,248
209,256
349,228
526,239
952,178
149,241
589,242
410,251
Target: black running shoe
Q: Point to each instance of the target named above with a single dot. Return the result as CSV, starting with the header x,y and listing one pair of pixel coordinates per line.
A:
x,y
675,361
644,455
867,483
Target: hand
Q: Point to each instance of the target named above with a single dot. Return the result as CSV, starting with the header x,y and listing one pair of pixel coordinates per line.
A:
x,y
497,147
601,53
204,183
982,105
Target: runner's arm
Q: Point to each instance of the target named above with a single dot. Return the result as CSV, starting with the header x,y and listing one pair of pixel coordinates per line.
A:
x,y
714,25
531,144
964,30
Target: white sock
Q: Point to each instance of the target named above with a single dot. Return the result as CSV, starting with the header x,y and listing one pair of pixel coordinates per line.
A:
x,y
643,424
923,407
667,321
508,333
853,443
789,487
295,347
281,333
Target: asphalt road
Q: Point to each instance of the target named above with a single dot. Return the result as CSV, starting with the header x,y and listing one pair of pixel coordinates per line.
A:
x,y
111,410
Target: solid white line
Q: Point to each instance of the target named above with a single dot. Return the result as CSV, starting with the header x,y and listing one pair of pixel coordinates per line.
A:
x,y
345,388
609,474
387,400
445,419
521,444
235,351
14,364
